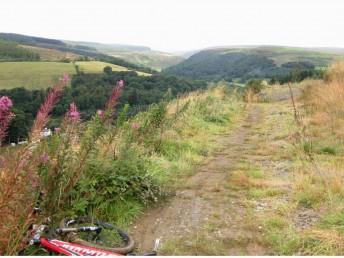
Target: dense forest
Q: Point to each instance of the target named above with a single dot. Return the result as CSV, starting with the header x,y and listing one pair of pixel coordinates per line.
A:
x,y
10,51
90,91
214,65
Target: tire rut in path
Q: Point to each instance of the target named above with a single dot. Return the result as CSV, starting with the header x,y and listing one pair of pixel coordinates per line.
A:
x,y
203,199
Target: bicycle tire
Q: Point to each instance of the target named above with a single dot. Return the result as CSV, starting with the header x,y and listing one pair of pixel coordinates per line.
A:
x,y
129,241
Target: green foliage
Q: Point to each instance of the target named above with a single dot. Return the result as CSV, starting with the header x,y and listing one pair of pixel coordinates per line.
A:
x,y
256,86
309,198
307,147
107,70
255,173
334,221
248,63
90,91
276,223
210,111
212,65
285,242
111,169
107,182
329,150
10,51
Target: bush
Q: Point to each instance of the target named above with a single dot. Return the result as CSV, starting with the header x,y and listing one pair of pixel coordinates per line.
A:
x,y
107,182
256,86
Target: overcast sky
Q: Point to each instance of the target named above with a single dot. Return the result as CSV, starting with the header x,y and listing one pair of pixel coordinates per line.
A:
x,y
173,25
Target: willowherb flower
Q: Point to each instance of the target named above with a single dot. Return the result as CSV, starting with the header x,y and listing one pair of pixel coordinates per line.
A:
x,y
44,111
73,113
116,93
65,78
135,126
44,158
46,108
5,115
100,113
120,83
57,130
5,103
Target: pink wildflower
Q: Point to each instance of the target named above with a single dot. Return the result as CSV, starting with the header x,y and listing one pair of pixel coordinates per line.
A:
x,y
120,83
100,113
116,93
135,126
44,159
45,110
5,115
73,113
57,130
65,78
5,103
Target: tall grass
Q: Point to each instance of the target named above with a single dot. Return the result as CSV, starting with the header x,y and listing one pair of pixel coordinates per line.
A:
x,y
111,166
20,180
319,181
142,162
326,100
50,167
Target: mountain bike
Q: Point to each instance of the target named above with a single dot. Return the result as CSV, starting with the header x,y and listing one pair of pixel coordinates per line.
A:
x,y
85,236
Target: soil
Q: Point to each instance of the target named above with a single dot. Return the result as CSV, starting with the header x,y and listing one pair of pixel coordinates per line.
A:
x,y
207,205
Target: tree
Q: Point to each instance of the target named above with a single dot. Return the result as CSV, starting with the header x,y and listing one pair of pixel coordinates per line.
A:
x,y
107,70
255,85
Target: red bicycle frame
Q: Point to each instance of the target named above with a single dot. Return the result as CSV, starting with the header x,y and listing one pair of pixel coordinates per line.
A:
x,y
72,249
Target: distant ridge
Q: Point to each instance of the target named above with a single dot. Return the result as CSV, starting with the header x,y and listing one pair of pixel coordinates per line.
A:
x,y
78,49
246,62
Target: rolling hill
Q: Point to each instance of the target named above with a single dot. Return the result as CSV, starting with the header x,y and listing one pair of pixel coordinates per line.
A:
x,y
139,55
87,52
231,63
11,51
49,54
38,75
139,58
154,59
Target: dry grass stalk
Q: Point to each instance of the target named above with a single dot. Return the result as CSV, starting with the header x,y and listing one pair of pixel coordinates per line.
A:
x,y
19,181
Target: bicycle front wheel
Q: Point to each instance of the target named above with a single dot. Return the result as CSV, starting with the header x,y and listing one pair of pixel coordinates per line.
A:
x,y
110,237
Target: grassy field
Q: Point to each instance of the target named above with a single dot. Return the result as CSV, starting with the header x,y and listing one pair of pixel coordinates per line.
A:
x,y
97,67
47,54
32,75
37,75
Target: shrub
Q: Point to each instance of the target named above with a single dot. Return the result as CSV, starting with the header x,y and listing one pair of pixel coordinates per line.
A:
x,y
255,85
107,182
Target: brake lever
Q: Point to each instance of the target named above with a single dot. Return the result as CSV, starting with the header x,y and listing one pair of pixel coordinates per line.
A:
x,y
38,232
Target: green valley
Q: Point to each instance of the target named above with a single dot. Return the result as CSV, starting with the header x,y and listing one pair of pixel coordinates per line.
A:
x,y
243,63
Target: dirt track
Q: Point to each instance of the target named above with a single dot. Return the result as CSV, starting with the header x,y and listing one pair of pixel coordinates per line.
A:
x,y
208,209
